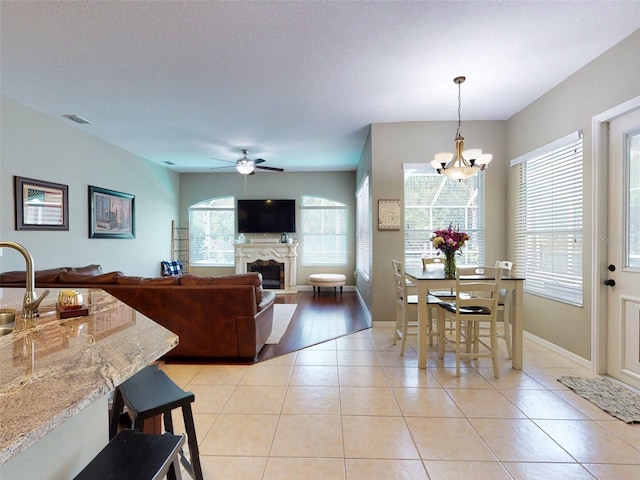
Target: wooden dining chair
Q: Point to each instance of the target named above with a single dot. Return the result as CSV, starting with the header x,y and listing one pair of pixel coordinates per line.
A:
x,y
503,306
431,262
476,303
447,294
406,309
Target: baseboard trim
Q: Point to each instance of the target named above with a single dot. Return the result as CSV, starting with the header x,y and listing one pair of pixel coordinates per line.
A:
x,y
364,308
559,350
309,288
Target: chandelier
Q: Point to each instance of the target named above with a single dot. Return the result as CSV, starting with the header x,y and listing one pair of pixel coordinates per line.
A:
x,y
463,163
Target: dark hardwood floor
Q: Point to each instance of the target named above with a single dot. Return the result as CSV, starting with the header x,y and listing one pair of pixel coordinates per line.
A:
x,y
317,318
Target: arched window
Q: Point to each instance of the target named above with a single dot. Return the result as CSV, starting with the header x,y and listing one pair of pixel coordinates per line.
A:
x,y
211,232
324,231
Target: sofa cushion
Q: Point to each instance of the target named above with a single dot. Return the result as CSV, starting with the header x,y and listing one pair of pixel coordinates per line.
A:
x,y
128,280
86,270
251,278
42,276
102,279
50,275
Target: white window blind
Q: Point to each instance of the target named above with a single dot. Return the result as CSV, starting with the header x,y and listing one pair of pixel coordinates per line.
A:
x,y
324,231
363,226
211,232
433,201
549,212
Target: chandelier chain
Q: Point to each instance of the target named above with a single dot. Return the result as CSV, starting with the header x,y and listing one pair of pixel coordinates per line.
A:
x,y
459,108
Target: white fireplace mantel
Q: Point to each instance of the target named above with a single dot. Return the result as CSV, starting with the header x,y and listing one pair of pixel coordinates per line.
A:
x,y
280,252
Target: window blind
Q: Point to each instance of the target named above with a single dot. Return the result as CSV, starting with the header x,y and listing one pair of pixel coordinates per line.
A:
x,y
324,231
549,221
433,201
211,232
363,226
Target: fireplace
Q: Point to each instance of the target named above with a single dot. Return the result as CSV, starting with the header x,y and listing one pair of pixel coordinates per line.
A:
x,y
272,273
275,261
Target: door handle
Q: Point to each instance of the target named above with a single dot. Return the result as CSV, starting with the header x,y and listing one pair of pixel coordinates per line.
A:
x,y
612,268
610,282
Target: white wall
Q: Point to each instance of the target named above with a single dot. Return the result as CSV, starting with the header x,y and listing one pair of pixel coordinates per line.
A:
x,y
37,146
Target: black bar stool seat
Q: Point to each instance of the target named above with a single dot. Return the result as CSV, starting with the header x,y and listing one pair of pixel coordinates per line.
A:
x,y
150,393
133,455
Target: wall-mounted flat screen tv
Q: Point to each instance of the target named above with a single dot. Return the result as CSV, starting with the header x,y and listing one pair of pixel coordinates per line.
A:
x,y
266,216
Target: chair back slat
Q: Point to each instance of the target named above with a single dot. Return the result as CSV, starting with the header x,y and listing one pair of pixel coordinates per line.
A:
x,y
432,260
480,292
439,262
400,284
508,267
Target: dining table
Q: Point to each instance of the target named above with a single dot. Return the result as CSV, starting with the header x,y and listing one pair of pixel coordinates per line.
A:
x,y
430,279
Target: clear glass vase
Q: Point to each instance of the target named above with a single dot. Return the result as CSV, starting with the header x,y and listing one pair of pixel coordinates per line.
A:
x,y
450,265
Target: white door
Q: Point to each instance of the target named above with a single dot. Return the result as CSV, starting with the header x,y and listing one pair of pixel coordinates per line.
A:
x,y
623,256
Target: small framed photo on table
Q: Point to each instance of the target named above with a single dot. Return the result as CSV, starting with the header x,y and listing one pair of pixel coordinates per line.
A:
x,y
111,214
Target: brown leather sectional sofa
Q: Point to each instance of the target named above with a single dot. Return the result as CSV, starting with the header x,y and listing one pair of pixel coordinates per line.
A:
x,y
214,317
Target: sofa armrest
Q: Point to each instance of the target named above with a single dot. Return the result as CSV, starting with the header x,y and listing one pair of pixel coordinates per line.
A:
x,y
267,299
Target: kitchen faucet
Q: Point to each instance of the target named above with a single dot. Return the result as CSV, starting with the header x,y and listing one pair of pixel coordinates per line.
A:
x,y
31,301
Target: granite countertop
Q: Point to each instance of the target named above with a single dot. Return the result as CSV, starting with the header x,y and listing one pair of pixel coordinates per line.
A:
x,y
51,371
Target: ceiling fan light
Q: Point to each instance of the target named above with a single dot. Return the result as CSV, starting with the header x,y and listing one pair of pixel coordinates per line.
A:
x,y
244,167
436,164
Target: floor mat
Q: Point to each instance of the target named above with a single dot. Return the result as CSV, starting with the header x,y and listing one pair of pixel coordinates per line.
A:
x,y
614,399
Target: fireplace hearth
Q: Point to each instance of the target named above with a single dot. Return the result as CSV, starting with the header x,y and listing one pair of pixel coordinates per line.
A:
x,y
272,273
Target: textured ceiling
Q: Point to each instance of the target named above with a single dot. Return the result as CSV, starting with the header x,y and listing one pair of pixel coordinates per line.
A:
x,y
297,83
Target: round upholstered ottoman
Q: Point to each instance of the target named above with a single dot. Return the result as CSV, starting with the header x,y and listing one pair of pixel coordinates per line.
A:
x,y
327,280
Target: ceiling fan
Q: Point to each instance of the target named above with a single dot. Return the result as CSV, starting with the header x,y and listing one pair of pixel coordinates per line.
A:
x,y
247,166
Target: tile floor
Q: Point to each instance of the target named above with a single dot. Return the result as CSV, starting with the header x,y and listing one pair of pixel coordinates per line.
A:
x,y
352,409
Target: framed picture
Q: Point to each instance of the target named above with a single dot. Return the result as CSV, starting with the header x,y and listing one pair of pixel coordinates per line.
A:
x,y
41,205
389,215
111,214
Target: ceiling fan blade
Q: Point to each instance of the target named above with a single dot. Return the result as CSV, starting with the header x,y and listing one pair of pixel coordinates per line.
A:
x,y
273,169
225,161
259,160
220,168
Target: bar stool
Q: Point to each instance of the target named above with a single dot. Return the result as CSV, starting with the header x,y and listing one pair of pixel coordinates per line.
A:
x,y
150,393
132,455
